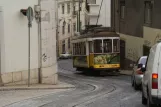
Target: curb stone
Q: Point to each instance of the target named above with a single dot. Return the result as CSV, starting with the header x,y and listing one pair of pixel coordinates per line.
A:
x,y
11,89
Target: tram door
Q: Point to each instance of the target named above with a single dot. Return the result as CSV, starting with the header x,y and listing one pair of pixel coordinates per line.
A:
x,y
91,55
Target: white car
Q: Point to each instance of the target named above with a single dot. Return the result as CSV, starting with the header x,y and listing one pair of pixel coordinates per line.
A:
x,y
65,56
151,82
137,74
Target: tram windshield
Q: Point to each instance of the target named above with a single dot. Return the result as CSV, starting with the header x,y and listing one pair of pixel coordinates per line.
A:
x,y
106,46
98,46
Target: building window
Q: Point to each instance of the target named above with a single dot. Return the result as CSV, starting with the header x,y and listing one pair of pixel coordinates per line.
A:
x,y
63,28
63,46
68,28
69,43
91,1
68,8
63,9
80,6
80,25
122,9
74,7
148,12
74,27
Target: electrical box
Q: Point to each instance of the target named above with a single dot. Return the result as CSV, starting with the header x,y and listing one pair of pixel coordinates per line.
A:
x,y
37,8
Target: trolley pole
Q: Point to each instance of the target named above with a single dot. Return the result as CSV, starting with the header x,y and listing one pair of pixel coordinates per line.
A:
x,y
79,17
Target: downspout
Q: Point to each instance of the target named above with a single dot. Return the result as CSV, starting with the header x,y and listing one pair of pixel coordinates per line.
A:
x,y
39,47
1,82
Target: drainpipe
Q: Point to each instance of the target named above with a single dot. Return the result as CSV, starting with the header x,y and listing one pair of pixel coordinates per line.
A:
x,y
1,82
39,46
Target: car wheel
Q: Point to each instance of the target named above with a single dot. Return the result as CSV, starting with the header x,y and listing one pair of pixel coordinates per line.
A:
x,y
132,82
149,104
135,85
144,100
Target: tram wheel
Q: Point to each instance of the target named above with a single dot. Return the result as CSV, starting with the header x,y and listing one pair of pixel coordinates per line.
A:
x,y
97,73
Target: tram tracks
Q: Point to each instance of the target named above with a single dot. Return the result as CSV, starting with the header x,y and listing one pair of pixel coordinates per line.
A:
x,y
93,98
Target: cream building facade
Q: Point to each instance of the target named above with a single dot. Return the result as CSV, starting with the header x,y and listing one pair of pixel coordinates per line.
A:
x,y
67,22
14,43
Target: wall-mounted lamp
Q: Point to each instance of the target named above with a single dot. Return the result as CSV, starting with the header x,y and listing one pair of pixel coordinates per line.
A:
x,y
37,10
23,11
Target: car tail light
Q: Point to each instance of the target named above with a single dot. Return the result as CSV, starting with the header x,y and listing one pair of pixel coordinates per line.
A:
x,y
154,81
140,72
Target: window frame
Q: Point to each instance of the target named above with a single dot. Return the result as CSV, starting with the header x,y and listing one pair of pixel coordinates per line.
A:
x,y
74,27
122,12
148,11
68,8
63,8
68,43
68,28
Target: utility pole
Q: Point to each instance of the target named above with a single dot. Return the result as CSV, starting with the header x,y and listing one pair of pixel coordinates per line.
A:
x,y
79,17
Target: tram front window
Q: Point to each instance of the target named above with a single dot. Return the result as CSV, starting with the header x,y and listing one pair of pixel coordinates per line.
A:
x,y
116,45
107,44
97,46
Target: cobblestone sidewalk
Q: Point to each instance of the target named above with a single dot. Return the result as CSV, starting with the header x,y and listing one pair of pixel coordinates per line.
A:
x,y
12,94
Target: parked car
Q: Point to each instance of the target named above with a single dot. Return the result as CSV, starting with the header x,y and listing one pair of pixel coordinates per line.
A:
x,y
151,82
137,74
65,56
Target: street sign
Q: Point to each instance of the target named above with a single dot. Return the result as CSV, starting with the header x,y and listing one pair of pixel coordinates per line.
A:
x,y
30,14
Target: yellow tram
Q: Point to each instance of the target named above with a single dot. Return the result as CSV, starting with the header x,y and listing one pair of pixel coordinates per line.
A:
x,y
98,49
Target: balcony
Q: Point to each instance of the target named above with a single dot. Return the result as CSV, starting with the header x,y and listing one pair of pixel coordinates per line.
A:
x,y
93,10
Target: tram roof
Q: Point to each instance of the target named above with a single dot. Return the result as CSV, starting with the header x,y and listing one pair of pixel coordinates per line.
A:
x,y
97,35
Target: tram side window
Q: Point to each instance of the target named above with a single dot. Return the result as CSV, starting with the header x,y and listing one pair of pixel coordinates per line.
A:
x,y
107,44
76,48
116,45
79,49
90,47
84,48
73,46
98,46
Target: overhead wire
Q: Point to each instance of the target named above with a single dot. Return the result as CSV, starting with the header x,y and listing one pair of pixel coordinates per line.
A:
x,y
99,12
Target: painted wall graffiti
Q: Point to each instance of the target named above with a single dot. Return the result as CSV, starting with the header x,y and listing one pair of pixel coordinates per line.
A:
x,y
147,43
48,33
44,57
157,38
46,17
132,54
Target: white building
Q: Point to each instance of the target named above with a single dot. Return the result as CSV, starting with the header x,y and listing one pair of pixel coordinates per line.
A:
x,y
67,22
14,43
105,12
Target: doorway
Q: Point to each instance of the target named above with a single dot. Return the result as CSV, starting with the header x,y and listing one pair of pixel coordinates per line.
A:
x,y
122,54
146,50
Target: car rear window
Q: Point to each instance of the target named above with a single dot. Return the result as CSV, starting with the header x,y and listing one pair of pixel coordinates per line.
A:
x,y
143,61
